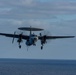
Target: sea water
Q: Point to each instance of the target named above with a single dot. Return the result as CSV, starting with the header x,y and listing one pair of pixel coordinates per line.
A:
x,y
37,67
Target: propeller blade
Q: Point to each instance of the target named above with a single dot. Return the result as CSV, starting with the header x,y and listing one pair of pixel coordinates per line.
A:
x,y
13,41
40,34
44,34
13,37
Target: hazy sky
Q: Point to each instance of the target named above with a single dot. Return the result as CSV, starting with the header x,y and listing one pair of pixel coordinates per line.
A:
x,y
56,16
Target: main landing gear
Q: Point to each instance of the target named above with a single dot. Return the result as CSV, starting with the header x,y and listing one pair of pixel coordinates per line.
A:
x,y
41,46
19,46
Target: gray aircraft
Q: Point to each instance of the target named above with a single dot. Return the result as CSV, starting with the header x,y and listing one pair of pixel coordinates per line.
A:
x,y
32,38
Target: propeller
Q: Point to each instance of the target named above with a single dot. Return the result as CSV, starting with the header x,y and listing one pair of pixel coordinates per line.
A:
x,y
19,33
19,40
44,34
16,32
13,37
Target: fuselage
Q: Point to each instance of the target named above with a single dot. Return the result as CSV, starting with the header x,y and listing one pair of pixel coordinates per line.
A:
x,y
32,40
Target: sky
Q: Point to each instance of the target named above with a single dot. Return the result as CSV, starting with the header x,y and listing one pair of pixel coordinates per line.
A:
x,y
56,16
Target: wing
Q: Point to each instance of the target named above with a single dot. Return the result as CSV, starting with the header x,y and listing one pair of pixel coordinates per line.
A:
x,y
25,37
55,37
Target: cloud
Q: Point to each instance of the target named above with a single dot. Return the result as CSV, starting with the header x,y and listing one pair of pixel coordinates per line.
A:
x,y
26,9
31,22
56,28
36,13
27,2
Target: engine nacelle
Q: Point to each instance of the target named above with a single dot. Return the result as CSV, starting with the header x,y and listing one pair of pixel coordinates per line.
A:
x,y
20,38
43,40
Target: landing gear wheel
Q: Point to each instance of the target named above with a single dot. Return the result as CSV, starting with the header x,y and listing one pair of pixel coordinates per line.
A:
x,y
20,46
41,47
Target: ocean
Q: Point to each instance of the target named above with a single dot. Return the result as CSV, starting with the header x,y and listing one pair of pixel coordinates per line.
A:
x,y
37,67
